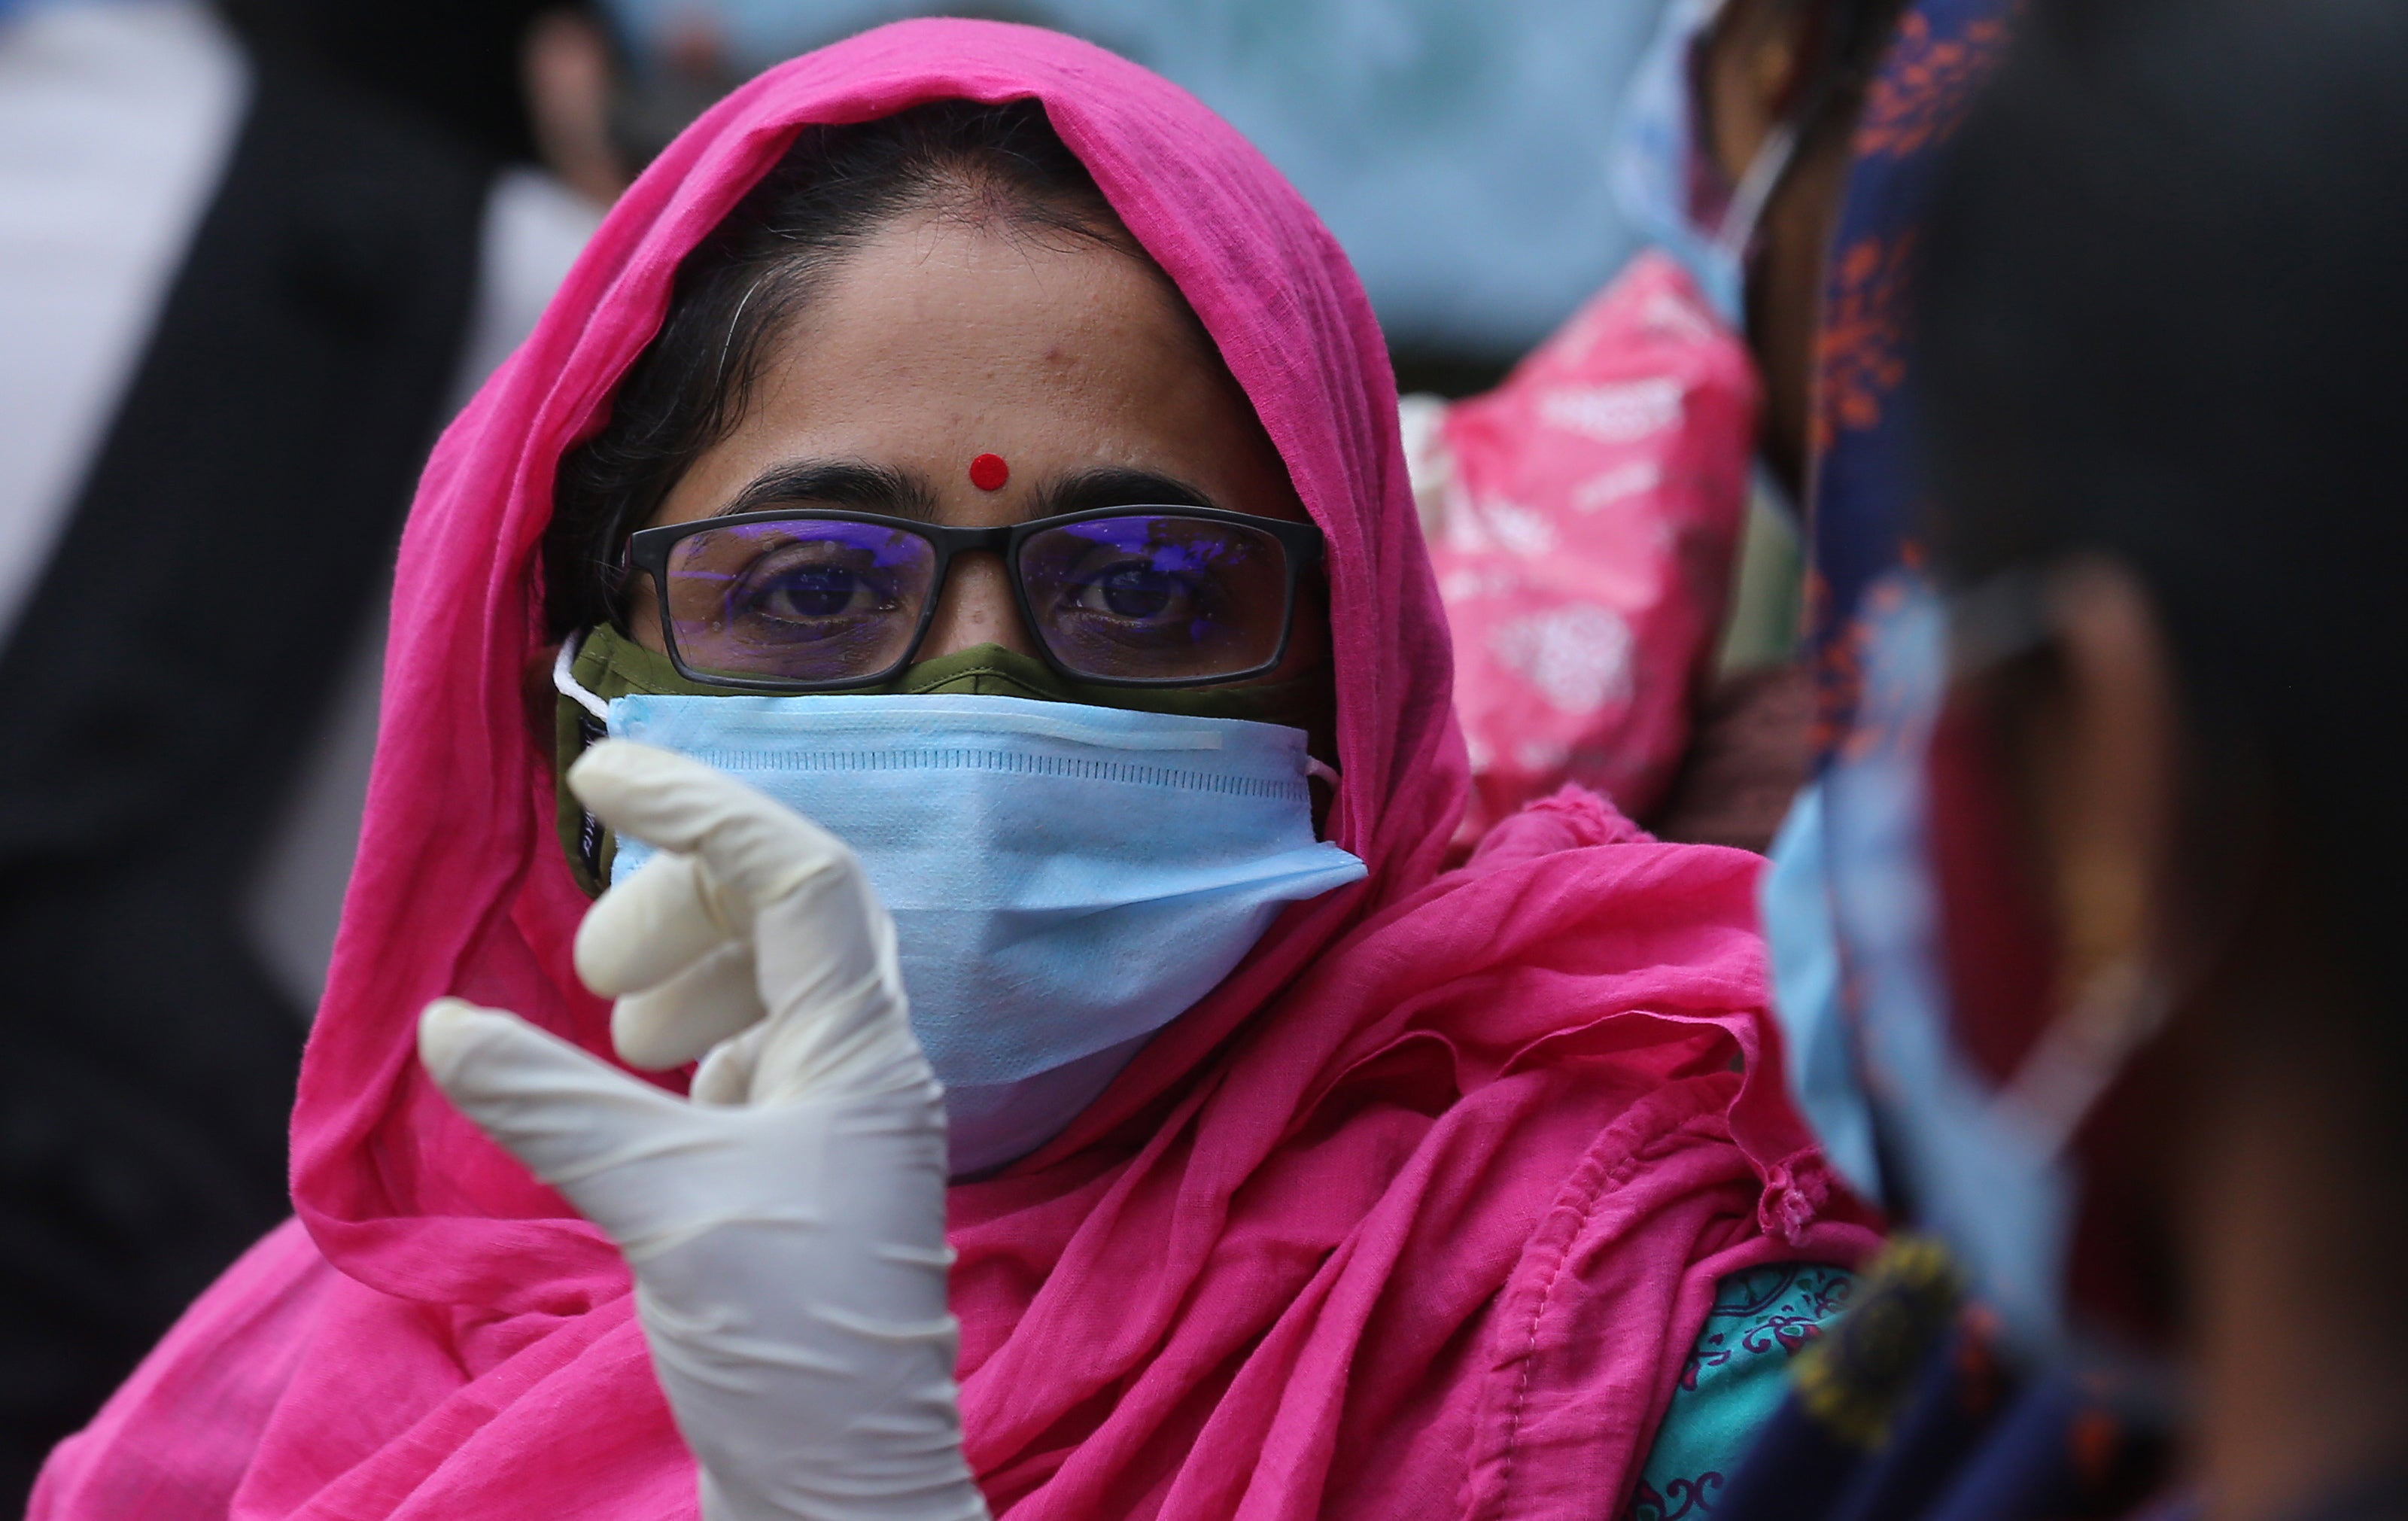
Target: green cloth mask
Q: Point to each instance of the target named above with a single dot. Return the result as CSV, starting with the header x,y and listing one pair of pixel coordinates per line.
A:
x,y
610,665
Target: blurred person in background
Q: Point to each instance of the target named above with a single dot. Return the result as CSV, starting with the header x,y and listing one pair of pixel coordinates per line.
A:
x,y
1858,236
1734,158
248,260
2114,834
1607,474
1739,151
1884,1403
1781,149
1587,514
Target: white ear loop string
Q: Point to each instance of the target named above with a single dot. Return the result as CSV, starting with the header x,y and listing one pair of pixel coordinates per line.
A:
x,y
1754,189
2084,1051
2123,1005
566,685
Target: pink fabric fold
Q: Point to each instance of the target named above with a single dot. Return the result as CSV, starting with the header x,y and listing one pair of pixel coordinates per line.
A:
x,y
1417,1214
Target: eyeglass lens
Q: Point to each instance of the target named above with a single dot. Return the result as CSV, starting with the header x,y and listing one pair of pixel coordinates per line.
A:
x,y
1142,596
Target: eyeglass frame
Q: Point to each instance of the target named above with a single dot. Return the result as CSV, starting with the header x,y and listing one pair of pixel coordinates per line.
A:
x,y
1303,545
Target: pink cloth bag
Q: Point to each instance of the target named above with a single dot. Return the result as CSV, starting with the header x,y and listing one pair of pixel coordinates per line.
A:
x,y
1417,1214
1591,505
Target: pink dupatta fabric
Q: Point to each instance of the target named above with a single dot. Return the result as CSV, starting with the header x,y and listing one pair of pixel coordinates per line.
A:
x,y
1416,1215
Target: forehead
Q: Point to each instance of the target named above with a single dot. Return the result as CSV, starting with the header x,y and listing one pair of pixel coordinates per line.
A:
x,y
942,338
941,299
945,337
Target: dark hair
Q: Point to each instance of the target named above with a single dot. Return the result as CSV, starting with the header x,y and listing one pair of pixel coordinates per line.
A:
x,y
2163,320
1852,35
999,166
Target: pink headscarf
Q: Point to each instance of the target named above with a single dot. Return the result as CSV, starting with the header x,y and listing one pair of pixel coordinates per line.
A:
x,y
1418,1212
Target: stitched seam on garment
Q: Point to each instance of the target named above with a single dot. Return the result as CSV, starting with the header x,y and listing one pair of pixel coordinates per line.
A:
x,y
1587,1212
1622,1173
1529,1361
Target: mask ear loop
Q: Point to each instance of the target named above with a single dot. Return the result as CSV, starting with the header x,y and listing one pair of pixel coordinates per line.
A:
x,y
566,685
1754,189
2119,1010
590,728
2123,1005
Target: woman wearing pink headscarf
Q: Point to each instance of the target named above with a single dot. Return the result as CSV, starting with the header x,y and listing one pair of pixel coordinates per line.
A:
x,y
962,439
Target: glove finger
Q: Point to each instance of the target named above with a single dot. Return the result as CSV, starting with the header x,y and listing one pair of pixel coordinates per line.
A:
x,y
726,1076
823,945
650,927
671,1025
752,845
567,1115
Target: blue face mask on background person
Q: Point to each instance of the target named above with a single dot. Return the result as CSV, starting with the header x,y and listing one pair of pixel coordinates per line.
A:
x,y
1984,1164
1665,175
1065,880
1962,1169
1794,898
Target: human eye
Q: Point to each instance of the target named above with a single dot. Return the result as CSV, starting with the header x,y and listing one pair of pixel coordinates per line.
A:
x,y
1134,590
1146,583
1143,595
813,588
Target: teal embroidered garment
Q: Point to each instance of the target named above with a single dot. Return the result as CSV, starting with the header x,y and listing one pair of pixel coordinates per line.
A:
x,y
1737,1373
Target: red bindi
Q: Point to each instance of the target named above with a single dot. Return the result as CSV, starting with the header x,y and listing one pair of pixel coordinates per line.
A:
x,y
988,472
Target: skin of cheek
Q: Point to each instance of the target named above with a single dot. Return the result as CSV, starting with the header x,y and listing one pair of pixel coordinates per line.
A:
x,y
941,341
1743,75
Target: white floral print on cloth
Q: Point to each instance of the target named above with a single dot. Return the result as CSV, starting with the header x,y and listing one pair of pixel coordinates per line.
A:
x,y
1582,520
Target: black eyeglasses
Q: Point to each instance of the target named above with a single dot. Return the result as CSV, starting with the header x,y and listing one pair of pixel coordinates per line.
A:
x,y
812,601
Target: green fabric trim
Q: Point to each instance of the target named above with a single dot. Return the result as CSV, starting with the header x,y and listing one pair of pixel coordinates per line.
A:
x,y
610,665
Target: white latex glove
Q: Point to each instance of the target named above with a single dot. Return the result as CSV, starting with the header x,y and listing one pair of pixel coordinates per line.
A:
x,y
786,1227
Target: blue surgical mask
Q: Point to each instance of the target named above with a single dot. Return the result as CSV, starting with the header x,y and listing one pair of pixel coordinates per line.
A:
x,y
1984,1164
1795,897
2001,1206
1664,173
1065,880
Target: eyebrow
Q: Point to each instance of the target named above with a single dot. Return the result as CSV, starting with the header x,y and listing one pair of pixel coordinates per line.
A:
x,y
1076,490
836,482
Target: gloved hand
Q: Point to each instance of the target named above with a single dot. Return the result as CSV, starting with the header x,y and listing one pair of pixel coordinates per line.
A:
x,y
786,1225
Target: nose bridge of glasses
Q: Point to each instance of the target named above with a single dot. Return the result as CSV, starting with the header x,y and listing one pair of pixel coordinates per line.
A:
x,y
963,548
974,602
993,541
